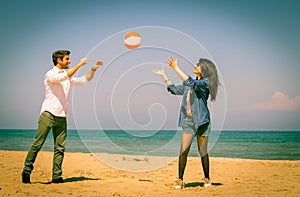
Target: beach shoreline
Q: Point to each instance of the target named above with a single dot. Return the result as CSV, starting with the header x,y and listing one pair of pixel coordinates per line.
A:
x,y
85,175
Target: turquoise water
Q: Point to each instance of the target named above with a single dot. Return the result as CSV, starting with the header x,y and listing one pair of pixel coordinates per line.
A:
x,y
268,145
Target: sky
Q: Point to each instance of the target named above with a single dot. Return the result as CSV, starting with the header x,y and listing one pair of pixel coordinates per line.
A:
x,y
255,45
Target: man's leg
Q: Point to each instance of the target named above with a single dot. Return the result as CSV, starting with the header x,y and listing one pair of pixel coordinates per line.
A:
x,y
44,126
59,135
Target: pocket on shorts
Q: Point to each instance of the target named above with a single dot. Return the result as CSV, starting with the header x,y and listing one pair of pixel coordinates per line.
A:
x,y
187,123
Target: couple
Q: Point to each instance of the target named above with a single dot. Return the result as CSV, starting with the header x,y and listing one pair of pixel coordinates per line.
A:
x,y
194,114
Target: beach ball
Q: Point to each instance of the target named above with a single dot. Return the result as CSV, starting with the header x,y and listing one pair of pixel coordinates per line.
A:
x,y
132,40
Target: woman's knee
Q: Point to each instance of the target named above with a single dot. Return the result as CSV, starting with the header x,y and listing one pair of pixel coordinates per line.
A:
x,y
202,151
184,152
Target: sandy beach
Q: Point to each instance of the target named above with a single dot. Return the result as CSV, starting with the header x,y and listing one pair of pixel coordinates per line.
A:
x,y
85,175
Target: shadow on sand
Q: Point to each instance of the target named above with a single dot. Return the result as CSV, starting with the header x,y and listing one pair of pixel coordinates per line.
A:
x,y
72,179
81,178
200,184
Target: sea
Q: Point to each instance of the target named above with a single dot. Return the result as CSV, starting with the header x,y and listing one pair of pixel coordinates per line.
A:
x,y
262,145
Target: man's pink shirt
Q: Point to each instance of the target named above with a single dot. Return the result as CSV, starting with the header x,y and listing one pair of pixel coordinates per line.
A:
x,y
57,91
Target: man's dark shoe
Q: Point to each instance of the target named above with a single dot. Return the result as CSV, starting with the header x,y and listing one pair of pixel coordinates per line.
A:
x,y
59,180
25,177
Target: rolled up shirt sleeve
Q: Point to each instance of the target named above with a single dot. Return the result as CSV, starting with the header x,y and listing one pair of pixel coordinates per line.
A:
x,y
176,89
79,81
56,77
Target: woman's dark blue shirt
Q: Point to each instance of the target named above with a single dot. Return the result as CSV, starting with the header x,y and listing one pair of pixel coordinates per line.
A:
x,y
199,96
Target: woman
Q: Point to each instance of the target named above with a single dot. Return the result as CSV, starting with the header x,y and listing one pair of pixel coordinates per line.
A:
x,y
194,113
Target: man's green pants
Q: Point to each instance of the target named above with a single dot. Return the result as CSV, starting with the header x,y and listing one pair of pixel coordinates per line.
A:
x,y
48,121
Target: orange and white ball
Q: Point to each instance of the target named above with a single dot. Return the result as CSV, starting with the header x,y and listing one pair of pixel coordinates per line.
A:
x,y
132,40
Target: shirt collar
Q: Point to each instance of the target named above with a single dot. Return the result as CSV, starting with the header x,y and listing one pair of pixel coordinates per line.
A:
x,y
58,70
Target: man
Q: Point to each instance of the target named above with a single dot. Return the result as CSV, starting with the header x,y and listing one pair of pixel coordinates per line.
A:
x,y
54,111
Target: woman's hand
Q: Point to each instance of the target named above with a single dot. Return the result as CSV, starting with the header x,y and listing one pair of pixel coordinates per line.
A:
x,y
159,72
172,63
162,74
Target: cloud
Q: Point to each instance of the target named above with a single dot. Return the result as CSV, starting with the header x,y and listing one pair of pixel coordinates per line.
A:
x,y
279,102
